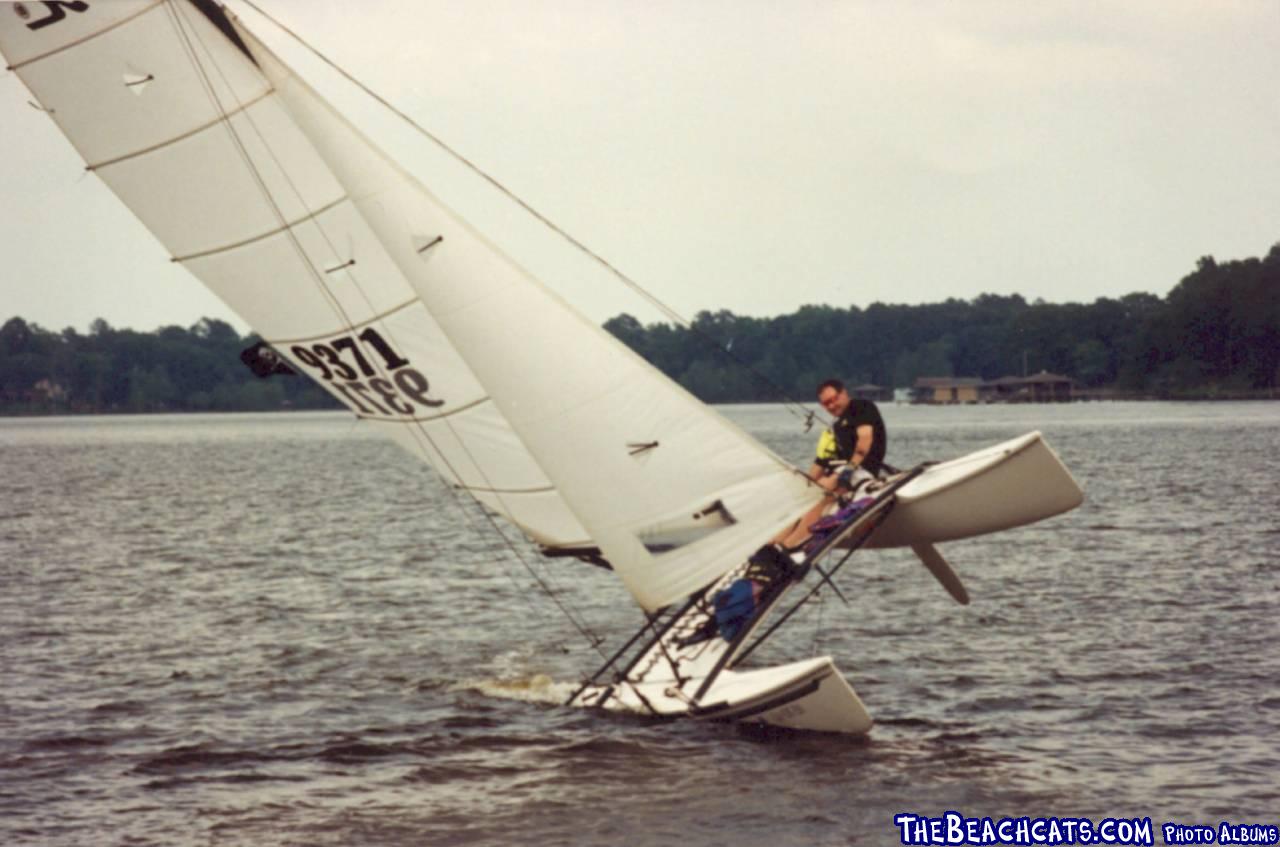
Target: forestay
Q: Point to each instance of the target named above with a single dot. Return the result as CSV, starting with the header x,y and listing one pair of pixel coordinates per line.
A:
x,y
357,274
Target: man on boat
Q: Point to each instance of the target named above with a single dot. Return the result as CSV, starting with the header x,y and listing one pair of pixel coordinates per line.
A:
x,y
850,452
856,440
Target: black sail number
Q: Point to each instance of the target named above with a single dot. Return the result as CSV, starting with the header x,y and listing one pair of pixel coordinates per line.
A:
x,y
55,9
387,392
328,360
371,337
340,368
311,360
415,385
390,388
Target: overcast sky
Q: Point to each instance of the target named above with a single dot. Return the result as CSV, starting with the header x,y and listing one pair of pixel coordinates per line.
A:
x,y
754,156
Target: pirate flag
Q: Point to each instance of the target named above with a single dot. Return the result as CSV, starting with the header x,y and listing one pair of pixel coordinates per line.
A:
x,y
265,361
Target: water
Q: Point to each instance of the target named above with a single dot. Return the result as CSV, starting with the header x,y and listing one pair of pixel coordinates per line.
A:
x,y
270,629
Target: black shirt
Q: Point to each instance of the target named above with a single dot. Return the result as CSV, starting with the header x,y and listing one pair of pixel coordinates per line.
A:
x,y
844,433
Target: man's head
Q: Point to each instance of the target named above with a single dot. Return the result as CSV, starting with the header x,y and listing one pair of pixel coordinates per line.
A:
x,y
833,397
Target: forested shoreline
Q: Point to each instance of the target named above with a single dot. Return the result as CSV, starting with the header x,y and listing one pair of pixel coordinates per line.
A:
x,y
1216,334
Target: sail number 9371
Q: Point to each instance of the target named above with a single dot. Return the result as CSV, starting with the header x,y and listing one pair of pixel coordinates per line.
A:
x,y
378,384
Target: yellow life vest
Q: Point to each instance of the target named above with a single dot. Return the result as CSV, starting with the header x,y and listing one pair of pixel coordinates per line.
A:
x,y
827,448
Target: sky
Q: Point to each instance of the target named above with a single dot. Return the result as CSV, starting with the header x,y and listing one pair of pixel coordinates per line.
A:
x,y
751,156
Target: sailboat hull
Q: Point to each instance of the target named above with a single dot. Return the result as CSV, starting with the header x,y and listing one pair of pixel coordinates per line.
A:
x,y
806,695
676,675
817,699
1010,484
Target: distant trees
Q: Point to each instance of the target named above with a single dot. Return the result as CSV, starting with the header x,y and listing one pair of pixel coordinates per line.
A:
x,y
1220,327
1217,332
109,370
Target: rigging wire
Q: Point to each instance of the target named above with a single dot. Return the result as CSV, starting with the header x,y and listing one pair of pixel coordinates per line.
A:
x,y
418,430
795,407
818,630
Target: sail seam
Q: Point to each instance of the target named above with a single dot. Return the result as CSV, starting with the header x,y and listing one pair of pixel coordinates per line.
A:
x,y
225,116
81,40
352,326
440,416
544,490
255,238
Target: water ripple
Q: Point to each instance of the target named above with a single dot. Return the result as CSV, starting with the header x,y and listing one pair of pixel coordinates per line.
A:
x,y
273,630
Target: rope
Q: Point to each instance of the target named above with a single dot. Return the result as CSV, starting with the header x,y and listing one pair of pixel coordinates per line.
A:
x,y
818,629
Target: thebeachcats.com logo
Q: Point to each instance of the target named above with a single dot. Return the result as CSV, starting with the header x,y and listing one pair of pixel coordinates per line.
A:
x,y
953,828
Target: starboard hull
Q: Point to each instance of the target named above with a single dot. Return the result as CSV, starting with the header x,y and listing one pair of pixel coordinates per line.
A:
x,y
1010,484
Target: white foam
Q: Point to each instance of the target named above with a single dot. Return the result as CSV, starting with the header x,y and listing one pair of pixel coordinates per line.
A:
x,y
535,688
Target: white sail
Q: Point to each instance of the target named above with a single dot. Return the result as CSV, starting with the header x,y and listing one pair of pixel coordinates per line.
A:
x,y
673,494
356,274
178,121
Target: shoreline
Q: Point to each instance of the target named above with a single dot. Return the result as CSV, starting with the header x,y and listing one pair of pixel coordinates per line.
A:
x,y
1261,395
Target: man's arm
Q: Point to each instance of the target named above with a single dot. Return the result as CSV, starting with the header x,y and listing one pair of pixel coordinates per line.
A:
x,y
866,435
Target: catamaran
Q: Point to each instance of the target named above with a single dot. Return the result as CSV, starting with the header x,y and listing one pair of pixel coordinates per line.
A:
x,y
356,275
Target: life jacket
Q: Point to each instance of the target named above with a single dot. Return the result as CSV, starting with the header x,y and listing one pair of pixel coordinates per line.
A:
x,y
734,607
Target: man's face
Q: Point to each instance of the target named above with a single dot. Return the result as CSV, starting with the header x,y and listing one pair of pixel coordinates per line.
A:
x,y
835,402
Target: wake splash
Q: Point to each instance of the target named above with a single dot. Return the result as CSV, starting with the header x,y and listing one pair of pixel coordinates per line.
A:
x,y
534,688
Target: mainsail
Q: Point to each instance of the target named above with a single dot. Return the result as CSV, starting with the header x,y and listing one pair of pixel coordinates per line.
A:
x,y
208,158
362,279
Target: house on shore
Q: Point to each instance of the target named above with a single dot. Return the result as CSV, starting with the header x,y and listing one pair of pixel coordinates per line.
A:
x,y
946,389
1043,387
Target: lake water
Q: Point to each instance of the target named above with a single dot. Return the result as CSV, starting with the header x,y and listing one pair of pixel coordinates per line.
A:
x,y
273,629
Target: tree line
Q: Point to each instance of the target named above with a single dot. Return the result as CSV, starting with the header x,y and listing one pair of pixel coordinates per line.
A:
x,y
173,369
1216,333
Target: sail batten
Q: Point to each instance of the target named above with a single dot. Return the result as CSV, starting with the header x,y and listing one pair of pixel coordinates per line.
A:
x,y
293,224
212,124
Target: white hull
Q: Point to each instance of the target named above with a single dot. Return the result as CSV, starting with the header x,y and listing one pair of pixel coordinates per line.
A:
x,y
673,678
1017,482
808,695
